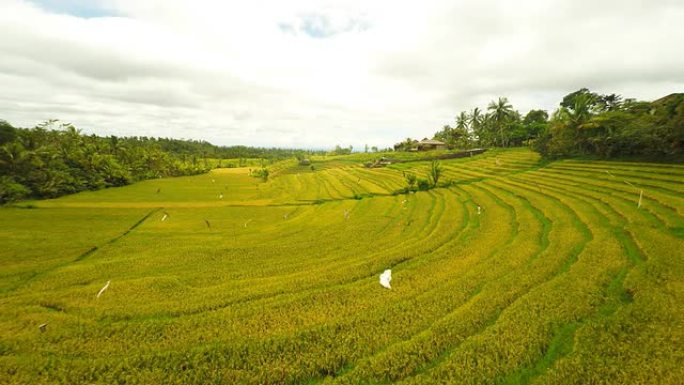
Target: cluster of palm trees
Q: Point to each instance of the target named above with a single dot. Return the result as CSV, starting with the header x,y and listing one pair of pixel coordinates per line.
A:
x,y
500,126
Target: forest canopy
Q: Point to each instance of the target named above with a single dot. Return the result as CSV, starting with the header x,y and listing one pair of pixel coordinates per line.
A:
x,y
54,158
606,126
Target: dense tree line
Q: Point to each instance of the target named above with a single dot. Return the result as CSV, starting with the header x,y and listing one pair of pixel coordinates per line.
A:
x,y
607,126
207,150
499,126
585,123
54,159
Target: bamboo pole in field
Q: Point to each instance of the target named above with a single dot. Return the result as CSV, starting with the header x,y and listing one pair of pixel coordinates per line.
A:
x,y
99,293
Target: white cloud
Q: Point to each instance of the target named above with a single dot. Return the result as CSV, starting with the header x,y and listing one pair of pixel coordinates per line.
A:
x,y
319,73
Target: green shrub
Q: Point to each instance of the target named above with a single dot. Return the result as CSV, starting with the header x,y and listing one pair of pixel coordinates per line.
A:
x,y
410,180
424,184
11,191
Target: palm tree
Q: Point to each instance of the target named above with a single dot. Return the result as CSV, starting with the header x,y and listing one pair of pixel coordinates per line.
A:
x,y
14,157
475,118
485,131
501,110
578,118
462,121
580,112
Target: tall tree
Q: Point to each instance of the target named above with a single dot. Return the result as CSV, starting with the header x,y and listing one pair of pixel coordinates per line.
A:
x,y
462,121
475,118
7,132
501,111
612,102
535,123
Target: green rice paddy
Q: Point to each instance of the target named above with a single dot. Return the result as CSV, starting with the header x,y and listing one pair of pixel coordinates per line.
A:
x,y
519,272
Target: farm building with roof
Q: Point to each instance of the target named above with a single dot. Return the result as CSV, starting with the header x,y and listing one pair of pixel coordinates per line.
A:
x,y
430,144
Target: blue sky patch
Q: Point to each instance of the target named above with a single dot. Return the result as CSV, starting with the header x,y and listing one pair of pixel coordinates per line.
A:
x,y
79,8
320,26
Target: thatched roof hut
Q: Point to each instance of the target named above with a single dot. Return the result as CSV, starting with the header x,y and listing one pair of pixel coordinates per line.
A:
x,y
430,144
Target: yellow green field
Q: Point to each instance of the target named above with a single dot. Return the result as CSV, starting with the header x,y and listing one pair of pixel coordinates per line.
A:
x,y
562,278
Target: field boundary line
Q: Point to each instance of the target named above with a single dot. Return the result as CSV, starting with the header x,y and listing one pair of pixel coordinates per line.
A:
x,y
92,250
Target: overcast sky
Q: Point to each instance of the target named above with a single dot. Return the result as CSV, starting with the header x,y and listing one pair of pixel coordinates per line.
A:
x,y
313,74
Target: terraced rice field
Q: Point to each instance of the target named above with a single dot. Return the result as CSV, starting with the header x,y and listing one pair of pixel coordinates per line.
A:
x,y
562,276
